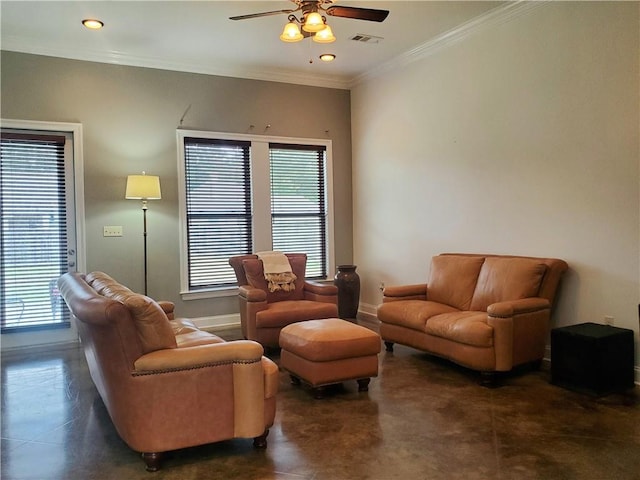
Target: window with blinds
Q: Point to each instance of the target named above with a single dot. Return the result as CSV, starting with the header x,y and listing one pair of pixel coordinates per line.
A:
x,y
218,208
247,193
298,203
34,240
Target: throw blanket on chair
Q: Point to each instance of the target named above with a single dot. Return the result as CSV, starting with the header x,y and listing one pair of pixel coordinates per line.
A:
x,y
277,271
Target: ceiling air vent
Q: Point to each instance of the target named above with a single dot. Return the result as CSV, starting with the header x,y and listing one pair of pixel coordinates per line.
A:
x,y
364,38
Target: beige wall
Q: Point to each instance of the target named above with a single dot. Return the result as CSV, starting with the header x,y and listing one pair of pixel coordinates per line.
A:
x,y
130,116
523,138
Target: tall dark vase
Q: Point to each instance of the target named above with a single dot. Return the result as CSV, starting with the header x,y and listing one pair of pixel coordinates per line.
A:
x,y
348,283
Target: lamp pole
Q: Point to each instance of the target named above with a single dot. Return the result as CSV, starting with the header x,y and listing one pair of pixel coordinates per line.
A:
x,y
144,233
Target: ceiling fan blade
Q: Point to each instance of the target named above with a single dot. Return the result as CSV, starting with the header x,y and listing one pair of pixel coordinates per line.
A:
x,y
370,14
262,14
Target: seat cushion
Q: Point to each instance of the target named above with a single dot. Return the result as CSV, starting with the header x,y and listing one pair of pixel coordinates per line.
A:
x,y
181,326
452,279
198,337
507,278
255,276
467,327
411,313
282,313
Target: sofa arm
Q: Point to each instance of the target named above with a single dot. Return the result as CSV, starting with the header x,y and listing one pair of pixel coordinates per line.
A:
x,y
240,351
168,308
519,330
271,377
405,292
320,292
517,307
320,288
251,294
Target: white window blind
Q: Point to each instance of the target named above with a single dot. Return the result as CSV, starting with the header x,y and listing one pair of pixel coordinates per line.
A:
x,y
298,203
33,230
218,208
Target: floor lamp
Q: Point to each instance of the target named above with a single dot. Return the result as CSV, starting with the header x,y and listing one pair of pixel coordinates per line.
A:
x,y
143,187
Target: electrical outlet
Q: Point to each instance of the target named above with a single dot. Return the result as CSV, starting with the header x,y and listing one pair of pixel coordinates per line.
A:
x,y
112,231
381,286
608,320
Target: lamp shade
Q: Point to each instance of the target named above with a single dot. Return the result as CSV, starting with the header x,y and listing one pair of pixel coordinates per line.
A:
x,y
145,187
291,33
313,22
324,36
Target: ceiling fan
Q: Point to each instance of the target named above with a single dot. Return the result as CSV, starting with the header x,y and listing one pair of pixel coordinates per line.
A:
x,y
313,22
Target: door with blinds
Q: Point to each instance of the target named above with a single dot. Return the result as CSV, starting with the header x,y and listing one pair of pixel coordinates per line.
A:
x,y
38,242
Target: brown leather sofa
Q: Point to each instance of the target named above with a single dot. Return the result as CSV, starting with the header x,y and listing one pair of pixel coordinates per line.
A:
x,y
166,384
263,313
489,313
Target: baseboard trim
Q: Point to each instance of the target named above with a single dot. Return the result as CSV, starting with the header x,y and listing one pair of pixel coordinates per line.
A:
x,y
368,310
7,352
218,323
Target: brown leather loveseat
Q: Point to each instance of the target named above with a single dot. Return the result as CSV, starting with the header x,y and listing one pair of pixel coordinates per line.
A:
x,y
489,313
166,384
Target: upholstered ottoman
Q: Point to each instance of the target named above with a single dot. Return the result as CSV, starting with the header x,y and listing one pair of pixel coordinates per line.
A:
x,y
329,351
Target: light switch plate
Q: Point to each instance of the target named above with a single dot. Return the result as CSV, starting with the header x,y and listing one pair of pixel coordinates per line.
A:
x,y
112,231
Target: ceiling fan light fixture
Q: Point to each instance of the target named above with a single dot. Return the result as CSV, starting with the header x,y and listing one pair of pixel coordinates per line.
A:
x,y
327,57
291,33
313,22
324,36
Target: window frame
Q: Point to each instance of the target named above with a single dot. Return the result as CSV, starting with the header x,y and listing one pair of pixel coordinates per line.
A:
x,y
57,336
260,200
283,211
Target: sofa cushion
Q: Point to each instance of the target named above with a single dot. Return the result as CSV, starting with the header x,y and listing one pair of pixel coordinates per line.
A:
x,y
255,276
153,326
412,314
279,314
199,337
181,326
470,328
452,280
507,278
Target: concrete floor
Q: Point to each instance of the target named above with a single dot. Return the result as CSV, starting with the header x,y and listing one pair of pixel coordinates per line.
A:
x,y
423,418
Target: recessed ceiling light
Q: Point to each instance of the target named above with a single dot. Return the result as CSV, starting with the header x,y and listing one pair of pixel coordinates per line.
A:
x,y
92,23
327,57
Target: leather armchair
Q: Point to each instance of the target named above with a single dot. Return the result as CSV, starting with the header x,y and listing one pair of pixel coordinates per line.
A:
x,y
263,313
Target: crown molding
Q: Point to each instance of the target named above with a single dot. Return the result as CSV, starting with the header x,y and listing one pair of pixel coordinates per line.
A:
x,y
497,16
27,45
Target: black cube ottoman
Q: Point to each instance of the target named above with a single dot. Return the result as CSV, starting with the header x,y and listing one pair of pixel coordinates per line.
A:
x,y
592,358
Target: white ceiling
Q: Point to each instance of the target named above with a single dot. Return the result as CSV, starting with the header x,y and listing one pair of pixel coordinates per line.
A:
x,y
197,36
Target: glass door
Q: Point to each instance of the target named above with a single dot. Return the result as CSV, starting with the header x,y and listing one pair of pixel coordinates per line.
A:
x,y
38,231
